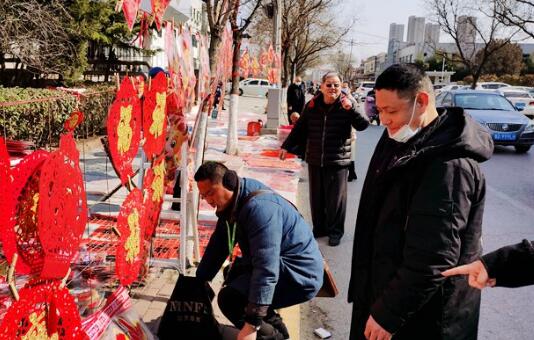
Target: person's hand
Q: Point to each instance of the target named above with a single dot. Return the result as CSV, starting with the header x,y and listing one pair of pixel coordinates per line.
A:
x,y
283,154
346,103
478,275
373,331
247,333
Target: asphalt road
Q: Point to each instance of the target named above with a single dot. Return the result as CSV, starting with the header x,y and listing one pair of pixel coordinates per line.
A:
x,y
508,218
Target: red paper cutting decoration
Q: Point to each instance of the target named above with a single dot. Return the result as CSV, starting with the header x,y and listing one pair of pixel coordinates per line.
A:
x,y
271,53
154,116
124,129
44,311
75,119
255,67
158,8
153,186
5,185
130,8
272,76
244,64
19,216
130,247
62,208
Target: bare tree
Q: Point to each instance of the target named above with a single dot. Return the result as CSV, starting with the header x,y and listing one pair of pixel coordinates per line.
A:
x,y
342,63
218,12
36,34
456,19
244,12
516,13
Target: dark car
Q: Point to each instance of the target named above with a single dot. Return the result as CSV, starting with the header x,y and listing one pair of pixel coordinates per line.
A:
x,y
506,124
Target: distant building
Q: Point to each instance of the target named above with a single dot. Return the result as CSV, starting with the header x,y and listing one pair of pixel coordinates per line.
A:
x,y
416,30
432,34
374,65
395,39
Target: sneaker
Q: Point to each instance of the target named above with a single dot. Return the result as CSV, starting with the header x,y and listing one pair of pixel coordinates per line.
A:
x,y
334,241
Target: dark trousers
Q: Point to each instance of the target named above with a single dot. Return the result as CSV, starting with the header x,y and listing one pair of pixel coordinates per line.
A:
x,y
328,199
233,304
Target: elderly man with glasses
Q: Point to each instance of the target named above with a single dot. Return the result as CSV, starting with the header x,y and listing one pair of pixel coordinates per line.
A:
x,y
325,130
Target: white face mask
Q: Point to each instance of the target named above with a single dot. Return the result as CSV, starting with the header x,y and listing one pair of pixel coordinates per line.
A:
x,y
405,132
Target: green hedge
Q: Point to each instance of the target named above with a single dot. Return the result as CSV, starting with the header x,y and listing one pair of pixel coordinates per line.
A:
x,y
42,122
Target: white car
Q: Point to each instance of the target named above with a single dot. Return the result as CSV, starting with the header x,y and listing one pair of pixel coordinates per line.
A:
x,y
490,85
521,99
254,87
450,87
364,88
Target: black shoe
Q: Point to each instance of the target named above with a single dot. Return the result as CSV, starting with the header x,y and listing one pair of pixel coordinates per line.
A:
x,y
269,332
276,321
352,177
334,241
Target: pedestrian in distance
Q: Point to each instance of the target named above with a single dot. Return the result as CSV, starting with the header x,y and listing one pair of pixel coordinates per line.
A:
x,y
296,98
510,266
420,213
281,265
325,129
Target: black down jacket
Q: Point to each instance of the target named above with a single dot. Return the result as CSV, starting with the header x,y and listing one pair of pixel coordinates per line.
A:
x,y
326,131
420,213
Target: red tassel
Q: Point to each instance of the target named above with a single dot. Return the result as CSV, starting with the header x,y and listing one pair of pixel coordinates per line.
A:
x,y
52,318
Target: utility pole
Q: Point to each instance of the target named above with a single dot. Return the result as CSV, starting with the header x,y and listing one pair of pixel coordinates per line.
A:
x,y
350,58
274,104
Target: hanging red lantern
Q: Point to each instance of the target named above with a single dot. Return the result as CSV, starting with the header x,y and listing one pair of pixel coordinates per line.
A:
x,y
130,248
124,129
43,311
155,117
20,214
62,208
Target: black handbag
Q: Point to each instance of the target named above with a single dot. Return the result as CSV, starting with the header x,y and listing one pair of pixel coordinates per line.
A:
x,y
189,313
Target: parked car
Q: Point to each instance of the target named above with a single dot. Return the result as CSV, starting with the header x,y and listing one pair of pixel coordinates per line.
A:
x,y
506,125
364,88
530,90
252,87
490,85
522,100
450,87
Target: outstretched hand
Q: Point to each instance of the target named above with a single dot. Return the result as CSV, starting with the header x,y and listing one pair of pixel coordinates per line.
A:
x,y
346,103
478,275
283,154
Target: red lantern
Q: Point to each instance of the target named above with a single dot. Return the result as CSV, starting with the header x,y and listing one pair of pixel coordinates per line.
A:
x,y
124,129
62,208
130,249
44,311
19,216
154,116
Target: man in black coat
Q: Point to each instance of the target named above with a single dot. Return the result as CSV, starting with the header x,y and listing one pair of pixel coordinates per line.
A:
x,y
325,130
420,213
295,98
510,266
